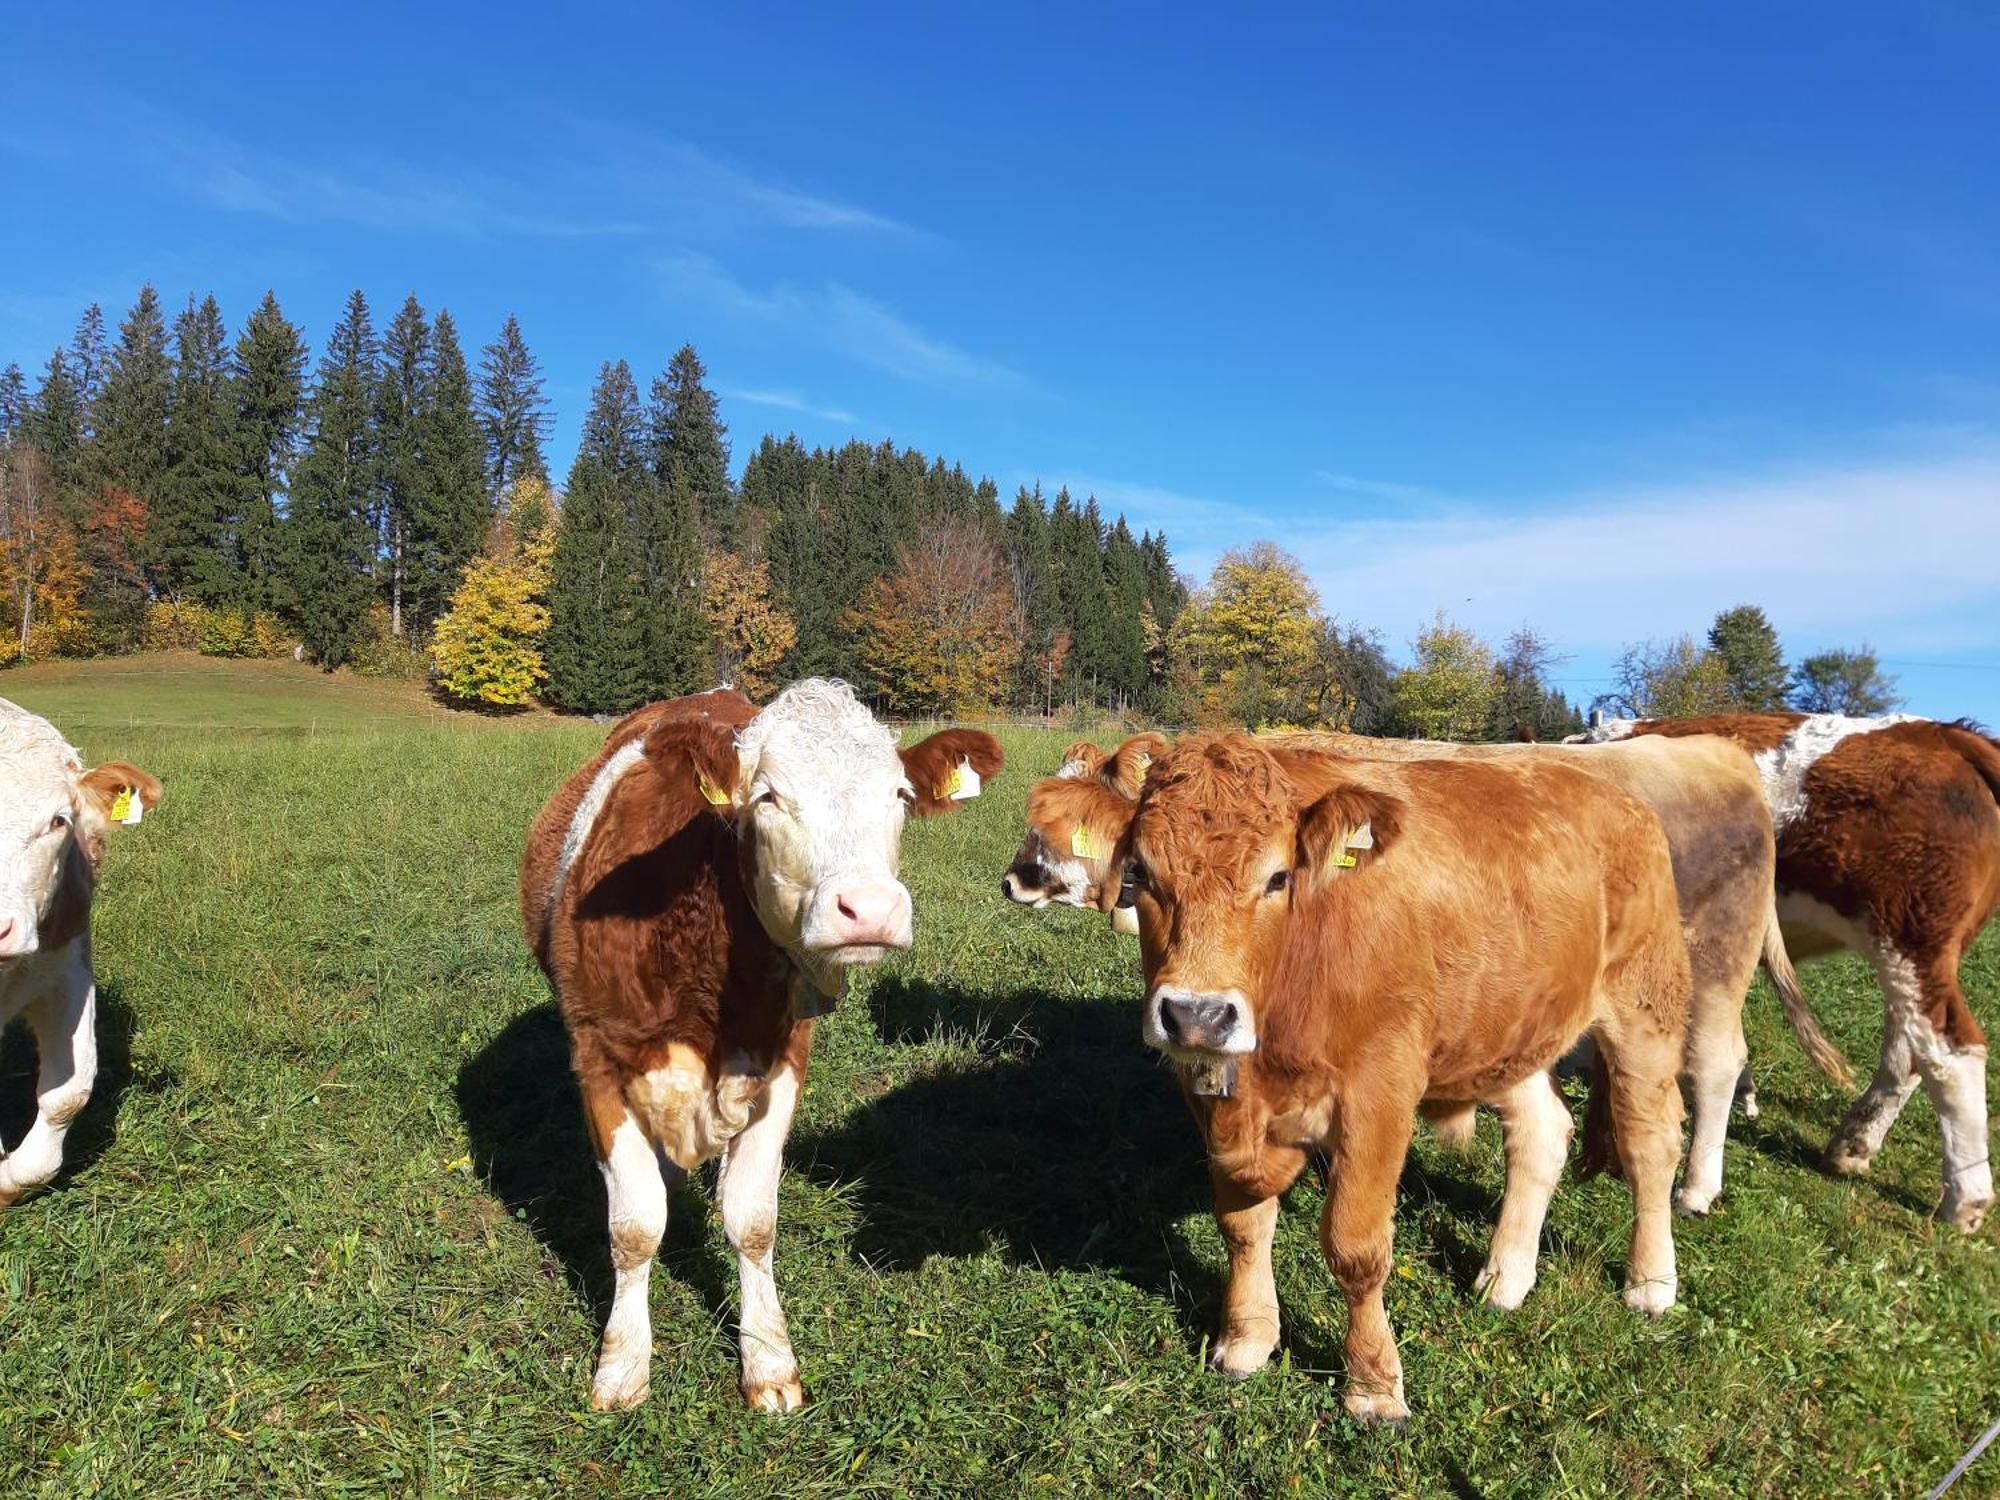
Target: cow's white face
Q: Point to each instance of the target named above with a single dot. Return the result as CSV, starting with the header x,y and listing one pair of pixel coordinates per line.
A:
x,y
825,794
40,808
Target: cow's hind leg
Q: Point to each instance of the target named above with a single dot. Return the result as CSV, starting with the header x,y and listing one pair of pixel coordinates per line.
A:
x,y
1643,1063
1537,1126
1716,1054
635,1188
1949,1051
64,1023
1852,1151
748,1194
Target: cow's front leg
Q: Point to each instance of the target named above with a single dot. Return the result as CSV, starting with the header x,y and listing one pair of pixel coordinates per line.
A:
x,y
635,1189
748,1191
1357,1234
1246,1211
64,1022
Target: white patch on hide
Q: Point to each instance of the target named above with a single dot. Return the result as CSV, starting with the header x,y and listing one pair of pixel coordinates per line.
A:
x,y
1784,766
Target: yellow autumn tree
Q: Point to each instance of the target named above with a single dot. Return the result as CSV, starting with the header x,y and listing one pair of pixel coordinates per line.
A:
x,y
1447,691
488,646
750,634
1249,639
938,633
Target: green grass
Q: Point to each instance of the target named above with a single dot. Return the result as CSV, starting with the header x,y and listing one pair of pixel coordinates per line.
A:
x,y
330,1223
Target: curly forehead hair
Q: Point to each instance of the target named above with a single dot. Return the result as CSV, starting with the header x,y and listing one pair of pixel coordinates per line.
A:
x,y
1212,803
1219,770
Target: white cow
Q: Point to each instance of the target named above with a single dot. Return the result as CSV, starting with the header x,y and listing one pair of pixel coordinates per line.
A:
x,y
53,819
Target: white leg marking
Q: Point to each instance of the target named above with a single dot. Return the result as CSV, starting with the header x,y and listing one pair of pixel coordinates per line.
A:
x,y
1715,1064
1536,1124
64,1021
637,1194
748,1190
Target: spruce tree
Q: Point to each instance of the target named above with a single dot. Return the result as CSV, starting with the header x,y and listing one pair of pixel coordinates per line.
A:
x,y
14,406
190,538
129,445
89,360
448,515
687,473
512,414
401,394
55,423
595,645
687,436
269,382
328,542
1035,587
1748,645
1125,598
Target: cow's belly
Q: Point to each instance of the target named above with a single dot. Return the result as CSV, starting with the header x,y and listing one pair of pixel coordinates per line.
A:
x,y
691,1114
1813,929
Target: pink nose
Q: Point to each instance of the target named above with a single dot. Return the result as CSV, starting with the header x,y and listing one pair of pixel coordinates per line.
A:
x,y
872,914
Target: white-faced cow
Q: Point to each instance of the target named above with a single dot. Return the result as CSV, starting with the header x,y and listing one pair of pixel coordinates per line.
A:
x,y
696,894
54,816
1889,845
1329,943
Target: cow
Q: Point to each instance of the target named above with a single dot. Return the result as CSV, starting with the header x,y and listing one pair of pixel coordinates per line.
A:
x,y
696,895
1710,803
54,818
1889,845
1329,943
1067,852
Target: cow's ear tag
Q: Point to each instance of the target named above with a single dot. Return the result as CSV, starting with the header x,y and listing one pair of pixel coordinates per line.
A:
x,y
1145,765
962,785
715,794
126,807
1357,838
1083,845
1212,1080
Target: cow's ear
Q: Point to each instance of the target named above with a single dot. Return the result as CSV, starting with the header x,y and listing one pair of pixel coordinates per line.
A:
x,y
1116,890
708,753
1126,769
950,767
1347,829
1084,758
120,792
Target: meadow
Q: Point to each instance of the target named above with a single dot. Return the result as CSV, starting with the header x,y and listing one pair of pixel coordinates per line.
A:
x,y
330,1223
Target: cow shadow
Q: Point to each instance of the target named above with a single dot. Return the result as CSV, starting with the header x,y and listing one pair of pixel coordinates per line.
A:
x,y
1786,1145
94,1130
523,1117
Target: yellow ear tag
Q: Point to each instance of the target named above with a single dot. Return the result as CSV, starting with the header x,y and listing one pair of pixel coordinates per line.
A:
x,y
1145,765
715,794
1083,846
126,808
962,785
1357,838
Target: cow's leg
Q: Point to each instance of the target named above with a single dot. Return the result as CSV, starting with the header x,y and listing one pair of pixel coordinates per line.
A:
x,y
1536,1124
1357,1234
64,1022
1949,1051
635,1188
1716,1058
1643,1060
1866,1126
1246,1211
1746,1093
748,1190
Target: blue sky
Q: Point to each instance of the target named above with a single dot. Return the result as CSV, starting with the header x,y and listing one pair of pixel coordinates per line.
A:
x,y
1560,315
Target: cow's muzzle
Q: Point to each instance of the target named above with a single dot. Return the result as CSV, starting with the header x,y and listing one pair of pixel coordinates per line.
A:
x,y
1196,1022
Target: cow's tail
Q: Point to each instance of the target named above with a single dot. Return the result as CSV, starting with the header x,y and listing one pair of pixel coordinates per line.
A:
x,y
1978,749
1798,1010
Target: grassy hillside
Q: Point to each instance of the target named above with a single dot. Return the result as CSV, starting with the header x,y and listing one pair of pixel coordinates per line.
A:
x,y
330,1223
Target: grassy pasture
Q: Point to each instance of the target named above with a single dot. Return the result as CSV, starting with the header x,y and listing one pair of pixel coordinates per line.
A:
x,y
330,1224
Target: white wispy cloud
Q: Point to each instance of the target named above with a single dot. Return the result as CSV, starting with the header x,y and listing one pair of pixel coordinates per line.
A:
x,y
838,317
787,401
1380,489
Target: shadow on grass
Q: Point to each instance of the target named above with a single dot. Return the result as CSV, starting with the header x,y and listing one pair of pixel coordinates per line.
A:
x,y
93,1131
1781,1143
524,1118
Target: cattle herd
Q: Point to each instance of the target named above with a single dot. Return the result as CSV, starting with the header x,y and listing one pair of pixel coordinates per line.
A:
x,y
1337,936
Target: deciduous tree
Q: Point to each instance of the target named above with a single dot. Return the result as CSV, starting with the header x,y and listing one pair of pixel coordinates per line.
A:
x,y
1447,691
750,632
937,632
1844,682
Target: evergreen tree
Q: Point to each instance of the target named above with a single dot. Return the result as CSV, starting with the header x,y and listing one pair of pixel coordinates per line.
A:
x,y
55,423
329,545
785,490
1125,597
448,515
687,481
401,395
14,405
189,536
595,646
1749,649
1035,598
687,436
269,383
512,414
89,361
129,446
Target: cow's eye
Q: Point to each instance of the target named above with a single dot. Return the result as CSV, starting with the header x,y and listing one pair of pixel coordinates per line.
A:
x,y
58,823
1277,883
1133,882
768,798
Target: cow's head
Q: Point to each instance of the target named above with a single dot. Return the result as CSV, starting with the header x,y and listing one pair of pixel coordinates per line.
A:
x,y
1224,845
818,792
54,816
1075,819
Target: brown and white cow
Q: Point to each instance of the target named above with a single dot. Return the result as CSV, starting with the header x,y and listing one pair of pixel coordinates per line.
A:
x,y
696,894
1710,803
1889,845
54,816
1329,943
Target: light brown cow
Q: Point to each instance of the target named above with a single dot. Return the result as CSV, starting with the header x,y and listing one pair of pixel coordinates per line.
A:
x,y
696,894
1888,844
1357,938
54,816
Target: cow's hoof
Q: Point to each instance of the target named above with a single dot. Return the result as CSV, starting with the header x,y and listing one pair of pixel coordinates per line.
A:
x,y
1504,1287
1651,1297
9,1197
1964,1214
620,1388
1845,1161
1693,1203
1239,1358
1377,1408
778,1397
